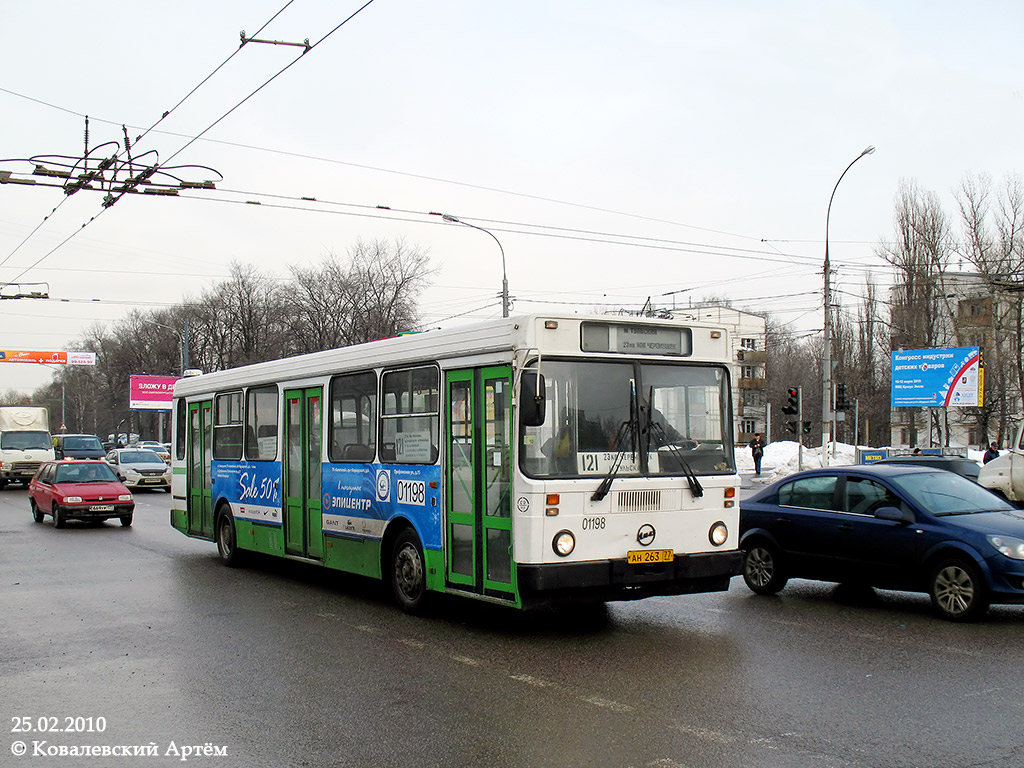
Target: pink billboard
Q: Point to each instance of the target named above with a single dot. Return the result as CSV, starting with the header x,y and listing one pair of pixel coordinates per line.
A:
x,y
151,393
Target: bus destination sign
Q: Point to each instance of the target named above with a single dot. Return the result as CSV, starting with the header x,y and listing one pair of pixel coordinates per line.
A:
x,y
636,339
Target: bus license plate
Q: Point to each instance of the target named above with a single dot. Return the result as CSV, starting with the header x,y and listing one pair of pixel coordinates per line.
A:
x,y
102,508
642,556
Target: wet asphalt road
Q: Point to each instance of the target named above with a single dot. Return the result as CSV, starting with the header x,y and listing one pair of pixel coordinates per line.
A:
x,y
286,665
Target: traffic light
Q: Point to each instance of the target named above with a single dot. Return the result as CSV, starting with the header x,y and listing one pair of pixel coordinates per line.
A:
x,y
842,404
791,427
807,427
792,406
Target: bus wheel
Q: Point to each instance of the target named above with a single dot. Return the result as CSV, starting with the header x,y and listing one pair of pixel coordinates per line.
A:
x,y
408,573
227,543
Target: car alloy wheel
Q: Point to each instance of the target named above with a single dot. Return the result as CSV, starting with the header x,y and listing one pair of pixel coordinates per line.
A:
x,y
761,569
957,592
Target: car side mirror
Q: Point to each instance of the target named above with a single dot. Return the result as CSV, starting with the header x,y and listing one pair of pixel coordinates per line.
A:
x,y
531,399
895,514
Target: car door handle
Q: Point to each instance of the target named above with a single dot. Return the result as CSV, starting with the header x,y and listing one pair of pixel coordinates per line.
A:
x,y
845,526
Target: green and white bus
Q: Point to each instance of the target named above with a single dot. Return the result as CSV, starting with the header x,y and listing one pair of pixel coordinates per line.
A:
x,y
529,461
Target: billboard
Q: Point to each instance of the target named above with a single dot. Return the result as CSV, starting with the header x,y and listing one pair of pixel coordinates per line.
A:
x,y
151,393
49,358
937,377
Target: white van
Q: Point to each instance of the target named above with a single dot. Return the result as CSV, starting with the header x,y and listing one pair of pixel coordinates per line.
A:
x,y
1005,474
25,443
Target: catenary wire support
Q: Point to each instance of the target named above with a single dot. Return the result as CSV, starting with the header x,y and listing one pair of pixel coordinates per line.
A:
x,y
304,44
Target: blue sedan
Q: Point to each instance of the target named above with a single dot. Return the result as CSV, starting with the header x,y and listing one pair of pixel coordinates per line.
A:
x,y
889,526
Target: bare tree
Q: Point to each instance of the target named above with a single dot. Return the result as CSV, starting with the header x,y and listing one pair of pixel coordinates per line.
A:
x,y
921,313
993,242
371,296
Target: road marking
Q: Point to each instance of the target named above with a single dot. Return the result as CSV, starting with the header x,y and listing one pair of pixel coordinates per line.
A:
x,y
536,682
614,706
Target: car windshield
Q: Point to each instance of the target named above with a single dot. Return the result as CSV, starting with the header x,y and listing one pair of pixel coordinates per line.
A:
x,y
140,457
631,418
84,473
945,493
82,444
26,441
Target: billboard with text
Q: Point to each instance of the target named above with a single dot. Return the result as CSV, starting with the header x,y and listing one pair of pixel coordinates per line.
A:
x,y
937,377
151,393
47,358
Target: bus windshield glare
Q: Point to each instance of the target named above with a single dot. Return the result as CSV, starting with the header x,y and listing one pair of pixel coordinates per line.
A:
x,y
652,418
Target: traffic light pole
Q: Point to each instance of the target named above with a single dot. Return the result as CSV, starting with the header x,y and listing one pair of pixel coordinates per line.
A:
x,y
800,425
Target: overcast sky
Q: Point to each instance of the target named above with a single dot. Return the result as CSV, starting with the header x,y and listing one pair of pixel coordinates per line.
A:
x,y
618,151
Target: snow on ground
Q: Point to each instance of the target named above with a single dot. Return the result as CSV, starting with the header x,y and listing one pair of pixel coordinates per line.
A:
x,y
781,459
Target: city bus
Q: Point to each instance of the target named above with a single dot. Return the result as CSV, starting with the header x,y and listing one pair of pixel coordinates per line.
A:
x,y
531,461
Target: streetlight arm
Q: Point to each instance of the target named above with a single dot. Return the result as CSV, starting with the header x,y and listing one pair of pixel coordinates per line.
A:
x,y
504,275
828,213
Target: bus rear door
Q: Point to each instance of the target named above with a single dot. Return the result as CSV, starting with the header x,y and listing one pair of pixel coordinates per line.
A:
x,y
200,455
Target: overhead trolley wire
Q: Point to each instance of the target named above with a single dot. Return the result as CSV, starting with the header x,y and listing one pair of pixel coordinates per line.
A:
x,y
208,128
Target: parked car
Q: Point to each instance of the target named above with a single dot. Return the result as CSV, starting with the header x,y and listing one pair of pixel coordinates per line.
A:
x,y
75,489
156,447
890,526
139,468
965,467
78,447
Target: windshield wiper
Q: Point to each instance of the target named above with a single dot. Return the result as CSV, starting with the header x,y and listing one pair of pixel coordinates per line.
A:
x,y
626,429
655,427
695,487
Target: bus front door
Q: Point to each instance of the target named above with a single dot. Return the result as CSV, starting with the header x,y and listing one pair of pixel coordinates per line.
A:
x,y
478,536
200,454
303,525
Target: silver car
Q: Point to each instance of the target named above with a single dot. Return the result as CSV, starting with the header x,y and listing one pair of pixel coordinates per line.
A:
x,y
140,468
158,448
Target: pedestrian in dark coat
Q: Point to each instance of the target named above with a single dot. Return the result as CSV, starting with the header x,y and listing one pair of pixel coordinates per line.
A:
x,y
991,453
757,451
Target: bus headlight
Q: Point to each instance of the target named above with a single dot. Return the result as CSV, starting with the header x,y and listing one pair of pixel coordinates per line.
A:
x,y
718,534
563,543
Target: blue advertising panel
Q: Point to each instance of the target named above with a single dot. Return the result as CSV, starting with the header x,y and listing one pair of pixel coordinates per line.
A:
x,y
359,499
252,487
936,377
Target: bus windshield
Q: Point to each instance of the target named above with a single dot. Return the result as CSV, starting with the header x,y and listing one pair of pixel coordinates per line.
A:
x,y
654,419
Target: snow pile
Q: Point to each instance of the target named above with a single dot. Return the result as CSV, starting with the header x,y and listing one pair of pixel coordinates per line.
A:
x,y
781,459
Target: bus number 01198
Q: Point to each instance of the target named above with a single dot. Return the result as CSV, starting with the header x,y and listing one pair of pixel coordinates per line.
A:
x,y
412,492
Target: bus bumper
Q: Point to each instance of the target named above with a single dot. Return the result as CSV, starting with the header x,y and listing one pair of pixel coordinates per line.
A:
x,y
608,580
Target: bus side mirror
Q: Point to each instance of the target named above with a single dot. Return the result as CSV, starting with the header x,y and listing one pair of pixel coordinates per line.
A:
x,y
531,399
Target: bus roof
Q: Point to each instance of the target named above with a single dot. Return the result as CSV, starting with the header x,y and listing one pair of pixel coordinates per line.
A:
x,y
520,332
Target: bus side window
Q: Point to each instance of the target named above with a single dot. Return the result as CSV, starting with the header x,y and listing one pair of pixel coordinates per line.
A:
x,y
353,414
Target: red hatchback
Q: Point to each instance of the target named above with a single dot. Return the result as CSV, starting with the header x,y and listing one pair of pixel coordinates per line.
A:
x,y
79,490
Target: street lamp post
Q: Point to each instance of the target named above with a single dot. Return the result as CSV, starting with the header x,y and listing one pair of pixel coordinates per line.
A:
x,y
504,275
182,341
826,369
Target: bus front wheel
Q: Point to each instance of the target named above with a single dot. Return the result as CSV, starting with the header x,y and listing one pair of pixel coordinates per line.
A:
x,y
408,572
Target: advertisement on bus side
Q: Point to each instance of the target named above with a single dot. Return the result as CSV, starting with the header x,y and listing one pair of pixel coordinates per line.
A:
x,y
358,500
